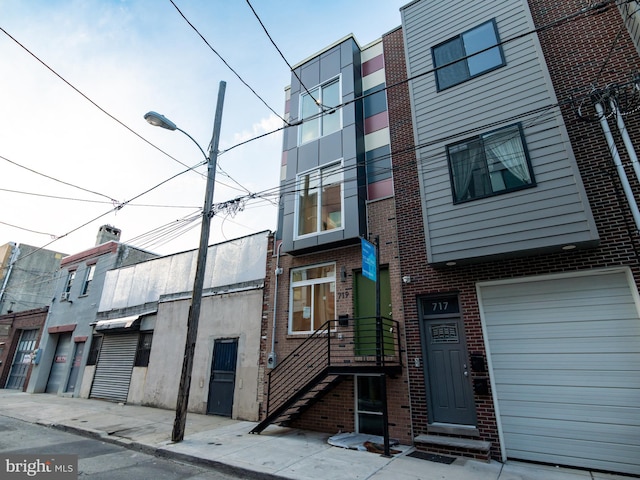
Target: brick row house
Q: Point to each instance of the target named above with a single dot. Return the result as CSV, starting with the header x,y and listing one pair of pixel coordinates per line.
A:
x,y
488,151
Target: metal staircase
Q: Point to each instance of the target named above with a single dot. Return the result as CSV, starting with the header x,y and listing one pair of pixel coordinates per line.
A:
x,y
337,349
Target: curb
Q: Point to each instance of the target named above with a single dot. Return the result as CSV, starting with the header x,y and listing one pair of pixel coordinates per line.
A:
x,y
162,452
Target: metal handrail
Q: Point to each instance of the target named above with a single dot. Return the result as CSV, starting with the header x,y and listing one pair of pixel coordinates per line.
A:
x,y
350,343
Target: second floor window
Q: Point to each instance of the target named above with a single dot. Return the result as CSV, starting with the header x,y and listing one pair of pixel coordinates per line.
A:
x,y
319,200
88,279
67,288
489,164
314,111
461,50
312,297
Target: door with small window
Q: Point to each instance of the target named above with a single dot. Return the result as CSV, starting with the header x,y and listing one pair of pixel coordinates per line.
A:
x,y
223,377
449,391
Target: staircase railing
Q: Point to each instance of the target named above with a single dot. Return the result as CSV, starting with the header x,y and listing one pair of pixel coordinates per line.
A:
x,y
339,346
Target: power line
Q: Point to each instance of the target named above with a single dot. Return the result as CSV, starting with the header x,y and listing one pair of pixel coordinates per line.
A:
x,y
56,197
282,55
225,62
58,180
91,101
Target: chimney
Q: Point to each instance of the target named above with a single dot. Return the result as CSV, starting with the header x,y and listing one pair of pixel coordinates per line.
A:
x,y
107,233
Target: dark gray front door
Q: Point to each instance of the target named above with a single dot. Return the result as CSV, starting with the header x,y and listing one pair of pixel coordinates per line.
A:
x,y
22,359
449,392
59,365
75,367
223,377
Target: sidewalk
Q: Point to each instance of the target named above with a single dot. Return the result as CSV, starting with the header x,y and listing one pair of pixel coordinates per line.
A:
x,y
276,453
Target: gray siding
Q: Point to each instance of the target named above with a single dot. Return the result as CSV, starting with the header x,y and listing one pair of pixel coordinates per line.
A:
x,y
553,213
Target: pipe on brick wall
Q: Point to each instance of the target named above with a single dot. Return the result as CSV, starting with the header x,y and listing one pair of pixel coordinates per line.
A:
x,y
625,137
271,359
618,163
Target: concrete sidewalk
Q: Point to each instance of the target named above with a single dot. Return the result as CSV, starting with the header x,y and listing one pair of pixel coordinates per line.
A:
x,y
276,453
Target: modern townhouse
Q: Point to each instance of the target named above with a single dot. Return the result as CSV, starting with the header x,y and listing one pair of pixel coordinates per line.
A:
x,y
488,151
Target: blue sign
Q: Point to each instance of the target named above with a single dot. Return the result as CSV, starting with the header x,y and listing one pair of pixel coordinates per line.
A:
x,y
368,260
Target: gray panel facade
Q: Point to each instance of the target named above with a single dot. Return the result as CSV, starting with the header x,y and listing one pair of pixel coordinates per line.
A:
x,y
553,211
346,145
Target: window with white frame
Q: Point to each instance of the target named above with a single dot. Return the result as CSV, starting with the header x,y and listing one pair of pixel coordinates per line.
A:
x,y
312,297
467,55
317,112
319,200
88,278
489,164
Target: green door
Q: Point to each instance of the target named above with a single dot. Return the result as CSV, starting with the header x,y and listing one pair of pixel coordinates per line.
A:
x,y
365,311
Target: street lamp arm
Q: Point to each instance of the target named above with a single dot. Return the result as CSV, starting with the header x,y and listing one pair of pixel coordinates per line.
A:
x,y
158,120
197,144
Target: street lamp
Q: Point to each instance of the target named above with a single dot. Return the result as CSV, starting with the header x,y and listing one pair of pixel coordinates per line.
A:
x,y
158,120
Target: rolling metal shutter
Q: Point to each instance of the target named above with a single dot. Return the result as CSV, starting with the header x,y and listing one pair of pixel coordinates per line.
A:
x,y
565,359
115,364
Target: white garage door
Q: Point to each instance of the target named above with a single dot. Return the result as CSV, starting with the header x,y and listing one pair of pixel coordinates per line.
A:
x,y
565,357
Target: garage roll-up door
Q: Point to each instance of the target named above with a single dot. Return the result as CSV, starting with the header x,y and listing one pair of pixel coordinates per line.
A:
x,y
113,369
565,358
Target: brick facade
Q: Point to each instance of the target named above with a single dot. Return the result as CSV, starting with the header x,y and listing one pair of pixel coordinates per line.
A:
x,y
17,323
576,52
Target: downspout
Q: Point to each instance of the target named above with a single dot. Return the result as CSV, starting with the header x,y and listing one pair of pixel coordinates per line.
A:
x,y
271,359
15,252
618,163
625,137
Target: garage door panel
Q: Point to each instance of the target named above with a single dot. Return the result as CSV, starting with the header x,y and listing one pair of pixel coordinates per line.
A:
x,y
575,329
550,394
626,362
564,356
543,449
579,287
561,345
530,314
600,413
554,429
570,378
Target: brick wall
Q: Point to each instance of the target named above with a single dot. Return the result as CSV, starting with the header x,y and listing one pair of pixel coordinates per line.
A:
x,y
26,320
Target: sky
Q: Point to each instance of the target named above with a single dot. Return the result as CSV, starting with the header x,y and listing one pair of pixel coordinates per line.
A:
x,y
77,77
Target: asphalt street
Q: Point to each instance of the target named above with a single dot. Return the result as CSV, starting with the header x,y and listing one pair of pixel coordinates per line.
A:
x,y
97,460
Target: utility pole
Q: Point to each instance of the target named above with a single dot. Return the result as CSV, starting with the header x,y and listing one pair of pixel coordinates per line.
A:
x,y
177,434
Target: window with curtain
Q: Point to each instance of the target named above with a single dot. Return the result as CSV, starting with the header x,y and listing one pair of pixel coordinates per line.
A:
x,y
312,297
319,200
467,55
318,118
490,164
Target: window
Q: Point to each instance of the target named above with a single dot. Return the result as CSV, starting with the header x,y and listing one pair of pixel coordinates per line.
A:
x,y
490,164
461,50
319,201
67,288
144,349
314,111
312,298
369,405
88,279
94,351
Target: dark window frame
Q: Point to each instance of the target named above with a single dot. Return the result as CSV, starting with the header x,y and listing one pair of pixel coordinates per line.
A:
x,y
143,351
94,350
465,56
479,138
